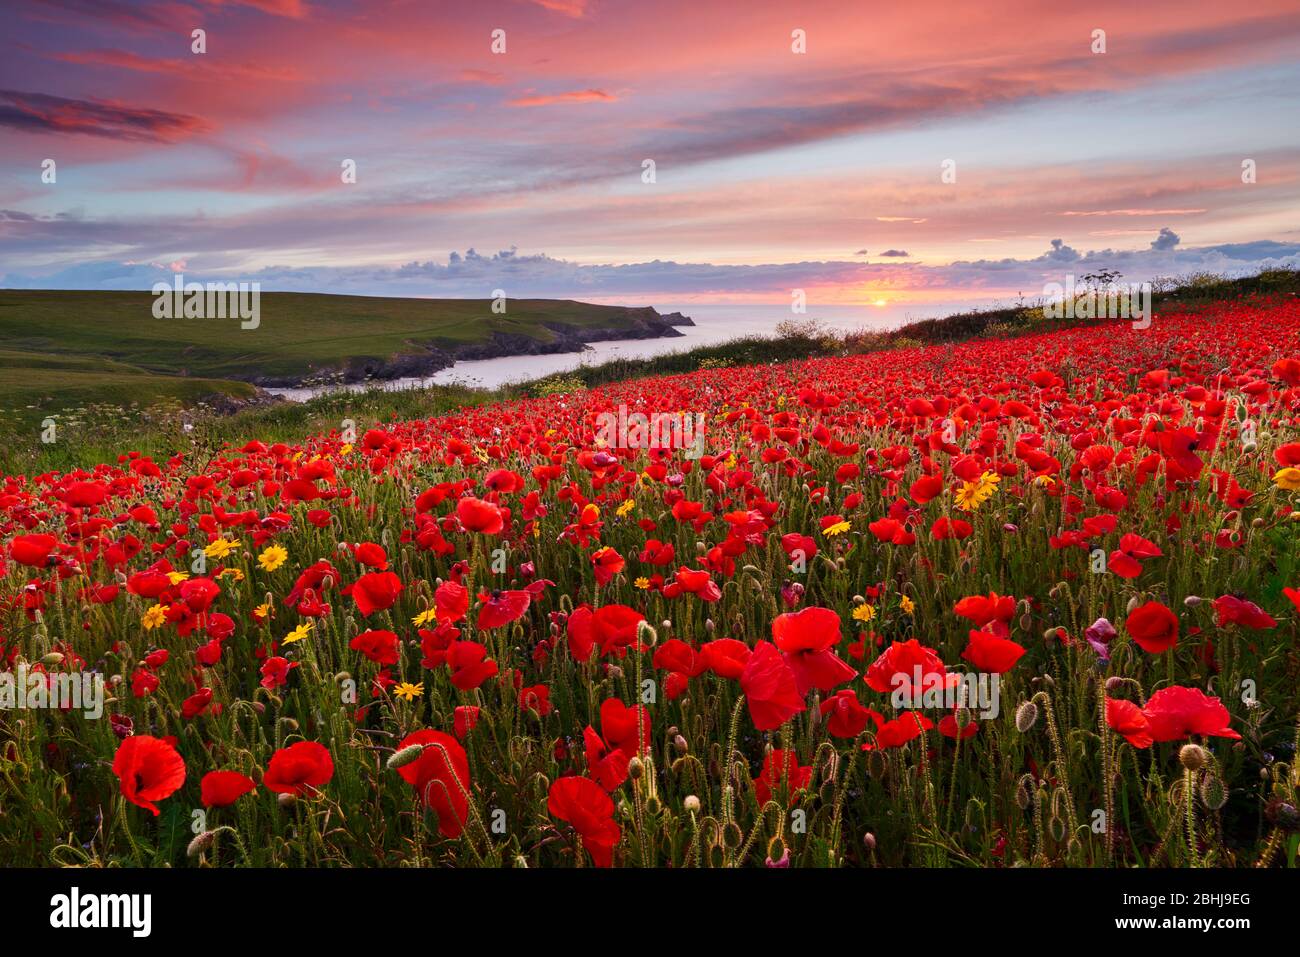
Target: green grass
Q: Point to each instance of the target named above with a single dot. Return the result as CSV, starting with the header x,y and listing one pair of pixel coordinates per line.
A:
x,y
66,348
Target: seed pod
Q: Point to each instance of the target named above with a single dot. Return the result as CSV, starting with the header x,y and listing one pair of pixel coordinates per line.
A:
x,y
691,804
1026,716
200,843
1192,757
408,754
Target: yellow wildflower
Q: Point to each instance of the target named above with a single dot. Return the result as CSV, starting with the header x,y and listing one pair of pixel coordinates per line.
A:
x,y
299,633
220,548
839,528
972,495
907,605
154,617
643,583
424,617
864,612
408,691
1287,478
626,507
177,577
272,557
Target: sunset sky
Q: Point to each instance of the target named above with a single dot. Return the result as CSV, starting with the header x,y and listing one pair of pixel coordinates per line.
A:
x,y
774,170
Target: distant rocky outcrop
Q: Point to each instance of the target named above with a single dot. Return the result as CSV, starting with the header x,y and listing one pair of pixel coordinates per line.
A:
x,y
424,359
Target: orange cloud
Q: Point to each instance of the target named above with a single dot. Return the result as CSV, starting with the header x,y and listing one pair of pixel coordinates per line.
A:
x,y
574,96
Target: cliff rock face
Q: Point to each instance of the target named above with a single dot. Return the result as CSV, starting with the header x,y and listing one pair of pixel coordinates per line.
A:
x,y
424,359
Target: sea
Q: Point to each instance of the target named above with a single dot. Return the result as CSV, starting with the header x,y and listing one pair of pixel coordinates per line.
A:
x,y
714,323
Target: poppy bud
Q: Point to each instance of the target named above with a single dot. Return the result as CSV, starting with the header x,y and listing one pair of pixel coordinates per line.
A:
x,y
869,841
1114,683
1026,716
399,759
1192,757
732,835
1191,601
680,745
286,800
53,658
778,855
1214,793
200,843
691,804
1133,604
635,768
615,672
709,626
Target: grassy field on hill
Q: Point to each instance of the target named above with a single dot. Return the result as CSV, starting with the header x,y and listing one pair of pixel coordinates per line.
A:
x,y
63,349
162,417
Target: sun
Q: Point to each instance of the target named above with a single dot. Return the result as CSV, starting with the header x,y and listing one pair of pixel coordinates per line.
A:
x,y
880,302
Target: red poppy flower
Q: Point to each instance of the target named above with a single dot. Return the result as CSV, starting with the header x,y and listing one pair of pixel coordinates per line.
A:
x,y
440,776
375,591
982,609
904,728
299,769
33,550
477,515
896,668
381,647
502,607
770,687
725,657
806,638
845,717
223,788
781,771
1175,713
1153,626
1127,719
990,653
584,804
611,628
606,563
149,770
371,555
1237,611
451,601
469,664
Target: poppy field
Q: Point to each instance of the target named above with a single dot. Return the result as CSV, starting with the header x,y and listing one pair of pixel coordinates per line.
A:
x,y
498,638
